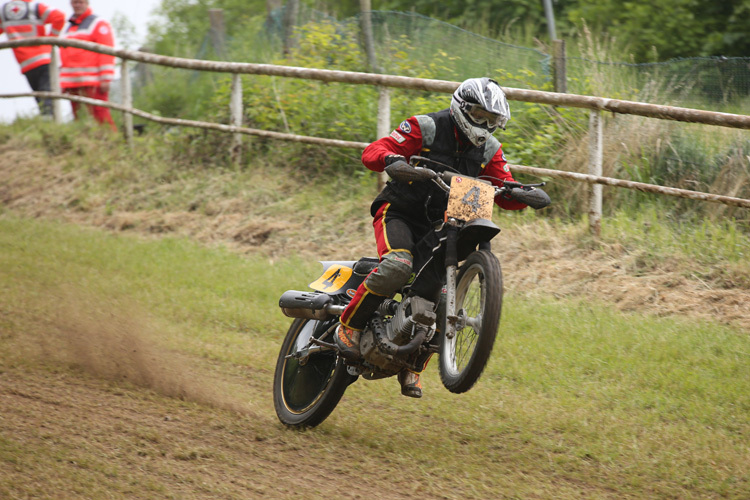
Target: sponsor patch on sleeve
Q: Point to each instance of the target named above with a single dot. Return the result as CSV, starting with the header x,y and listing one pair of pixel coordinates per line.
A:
x,y
506,168
397,137
405,127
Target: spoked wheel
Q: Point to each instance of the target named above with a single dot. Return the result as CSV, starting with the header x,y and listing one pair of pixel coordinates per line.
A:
x,y
479,300
307,389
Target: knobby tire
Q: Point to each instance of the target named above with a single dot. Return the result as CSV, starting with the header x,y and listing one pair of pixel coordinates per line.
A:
x,y
304,395
479,291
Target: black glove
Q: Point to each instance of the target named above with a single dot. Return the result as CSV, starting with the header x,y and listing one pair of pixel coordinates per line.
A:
x,y
391,159
534,197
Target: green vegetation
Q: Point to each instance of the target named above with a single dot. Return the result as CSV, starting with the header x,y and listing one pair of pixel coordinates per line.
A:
x,y
692,28
577,399
699,158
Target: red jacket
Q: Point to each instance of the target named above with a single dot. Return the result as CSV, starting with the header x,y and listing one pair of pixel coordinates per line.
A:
x,y
21,19
407,142
83,68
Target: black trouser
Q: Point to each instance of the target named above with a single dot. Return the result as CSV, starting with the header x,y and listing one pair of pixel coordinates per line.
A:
x,y
39,80
418,236
400,239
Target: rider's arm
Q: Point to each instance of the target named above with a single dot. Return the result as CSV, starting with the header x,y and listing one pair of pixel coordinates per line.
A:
x,y
406,141
498,168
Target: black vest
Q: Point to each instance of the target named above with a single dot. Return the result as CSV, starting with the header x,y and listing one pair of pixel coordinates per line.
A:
x,y
425,200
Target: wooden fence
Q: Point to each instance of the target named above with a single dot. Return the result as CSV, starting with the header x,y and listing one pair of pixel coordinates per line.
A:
x,y
595,104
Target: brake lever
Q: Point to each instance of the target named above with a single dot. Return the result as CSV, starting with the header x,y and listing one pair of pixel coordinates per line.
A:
x,y
441,183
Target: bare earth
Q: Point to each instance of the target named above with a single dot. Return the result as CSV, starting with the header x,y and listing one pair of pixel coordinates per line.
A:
x,y
206,440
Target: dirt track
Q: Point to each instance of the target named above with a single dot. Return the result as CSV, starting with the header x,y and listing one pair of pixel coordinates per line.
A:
x,y
102,420
86,392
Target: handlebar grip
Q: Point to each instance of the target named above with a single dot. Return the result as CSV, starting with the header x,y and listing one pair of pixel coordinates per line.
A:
x,y
403,172
536,198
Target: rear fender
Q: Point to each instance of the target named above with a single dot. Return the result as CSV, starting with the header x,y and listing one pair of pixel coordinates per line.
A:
x,y
343,277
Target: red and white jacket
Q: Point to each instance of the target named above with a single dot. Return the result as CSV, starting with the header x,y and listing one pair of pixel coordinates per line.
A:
x,y
21,19
83,68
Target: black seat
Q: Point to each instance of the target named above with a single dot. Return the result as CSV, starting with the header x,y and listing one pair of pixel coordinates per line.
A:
x,y
365,265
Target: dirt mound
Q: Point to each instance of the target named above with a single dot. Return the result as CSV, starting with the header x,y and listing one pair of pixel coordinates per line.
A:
x,y
536,259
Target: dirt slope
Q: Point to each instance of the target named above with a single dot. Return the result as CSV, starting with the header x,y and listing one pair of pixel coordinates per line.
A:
x,y
536,260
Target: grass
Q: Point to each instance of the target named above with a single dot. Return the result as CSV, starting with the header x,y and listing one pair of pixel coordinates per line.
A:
x,y
578,399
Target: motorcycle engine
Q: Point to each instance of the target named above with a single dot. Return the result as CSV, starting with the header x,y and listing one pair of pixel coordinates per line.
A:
x,y
411,315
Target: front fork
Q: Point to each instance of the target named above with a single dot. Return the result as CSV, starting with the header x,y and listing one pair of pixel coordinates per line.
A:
x,y
451,318
451,268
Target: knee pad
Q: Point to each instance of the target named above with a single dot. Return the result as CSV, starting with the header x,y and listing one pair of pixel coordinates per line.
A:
x,y
393,272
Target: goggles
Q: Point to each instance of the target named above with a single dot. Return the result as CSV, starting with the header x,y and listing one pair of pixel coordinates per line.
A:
x,y
480,116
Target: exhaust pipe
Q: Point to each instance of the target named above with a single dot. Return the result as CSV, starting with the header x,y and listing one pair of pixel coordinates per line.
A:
x,y
308,305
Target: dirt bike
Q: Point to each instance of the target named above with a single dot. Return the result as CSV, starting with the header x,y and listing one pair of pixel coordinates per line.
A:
x,y
311,377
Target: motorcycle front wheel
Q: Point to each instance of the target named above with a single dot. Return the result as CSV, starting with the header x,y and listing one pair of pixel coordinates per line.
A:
x,y
306,390
479,298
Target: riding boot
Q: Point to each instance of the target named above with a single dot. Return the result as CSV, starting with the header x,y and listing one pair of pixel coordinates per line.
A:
x,y
411,384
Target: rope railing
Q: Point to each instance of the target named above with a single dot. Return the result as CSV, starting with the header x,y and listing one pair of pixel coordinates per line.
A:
x,y
638,186
596,104
352,77
194,123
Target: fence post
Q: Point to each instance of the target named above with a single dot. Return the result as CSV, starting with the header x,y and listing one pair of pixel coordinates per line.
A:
x,y
127,101
54,84
235,113
384,124
560,73
289,21
595,168
550,14
218,33
384,94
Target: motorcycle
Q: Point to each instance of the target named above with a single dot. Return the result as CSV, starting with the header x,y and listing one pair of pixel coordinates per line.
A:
x,y
461,325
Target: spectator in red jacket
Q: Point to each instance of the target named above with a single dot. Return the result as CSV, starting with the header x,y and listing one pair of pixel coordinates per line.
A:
x,y
21,19
83,72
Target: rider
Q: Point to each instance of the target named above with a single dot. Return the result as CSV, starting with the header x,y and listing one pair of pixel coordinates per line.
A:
x,y
459,137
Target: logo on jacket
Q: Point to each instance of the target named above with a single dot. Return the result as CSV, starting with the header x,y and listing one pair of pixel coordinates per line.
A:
x,y
398,137
405,126
16,10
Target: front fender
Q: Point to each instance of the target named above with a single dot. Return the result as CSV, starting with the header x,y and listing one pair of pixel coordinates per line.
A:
x,y
472,234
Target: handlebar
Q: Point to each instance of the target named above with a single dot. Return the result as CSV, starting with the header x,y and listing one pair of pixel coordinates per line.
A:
x,y
409,172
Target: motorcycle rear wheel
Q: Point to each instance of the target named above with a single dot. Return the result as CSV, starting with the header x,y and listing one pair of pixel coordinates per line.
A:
x,y
479,292
306,392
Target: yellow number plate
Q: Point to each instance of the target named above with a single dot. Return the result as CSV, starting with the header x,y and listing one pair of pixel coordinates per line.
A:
x,y
332,279
470,199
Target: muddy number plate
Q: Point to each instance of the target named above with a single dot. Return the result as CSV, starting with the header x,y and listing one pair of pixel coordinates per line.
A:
x,y
470,199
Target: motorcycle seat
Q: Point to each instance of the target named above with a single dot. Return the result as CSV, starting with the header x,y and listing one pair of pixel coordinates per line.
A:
x,y
365,265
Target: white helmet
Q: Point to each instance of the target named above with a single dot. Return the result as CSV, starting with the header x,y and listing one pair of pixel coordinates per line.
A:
x,y
478,108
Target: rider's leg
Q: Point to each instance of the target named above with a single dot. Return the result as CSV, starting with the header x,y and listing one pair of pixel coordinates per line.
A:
x,y
394,242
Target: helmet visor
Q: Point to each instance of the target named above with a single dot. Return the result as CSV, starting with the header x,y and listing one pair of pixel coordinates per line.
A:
x,y
481,116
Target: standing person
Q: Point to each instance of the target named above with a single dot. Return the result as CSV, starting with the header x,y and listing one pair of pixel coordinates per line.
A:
x,y
459,137
83,72
21,19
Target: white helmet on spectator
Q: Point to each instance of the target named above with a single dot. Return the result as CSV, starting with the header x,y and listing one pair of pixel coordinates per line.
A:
x,y
478,108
